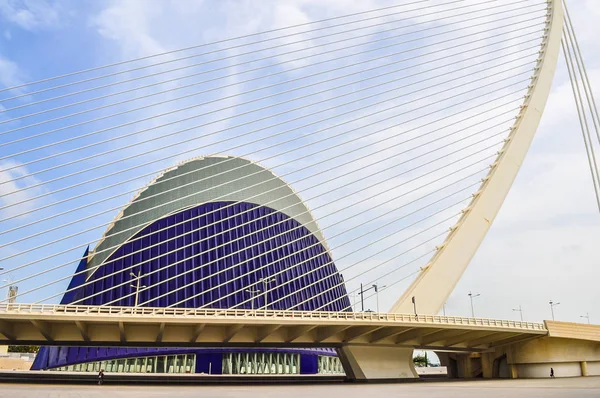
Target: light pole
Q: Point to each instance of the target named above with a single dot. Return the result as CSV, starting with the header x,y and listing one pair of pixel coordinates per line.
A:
x,y
552,305
12,290
2,269
252,293
587,316
414,302
376,287
444,308
520,310
362,296
137,286
472,296
265,282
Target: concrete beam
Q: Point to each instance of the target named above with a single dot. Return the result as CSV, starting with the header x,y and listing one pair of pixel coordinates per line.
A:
x,y
160,333
232,331
122,335
465,336
409,335
298,331
359,332
82,327
511,340
487,338
387,332
266,331
440,335
327,332
7,330
44,328
196,333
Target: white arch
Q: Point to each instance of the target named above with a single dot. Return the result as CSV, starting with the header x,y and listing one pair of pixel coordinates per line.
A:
x,y
214,171
439,277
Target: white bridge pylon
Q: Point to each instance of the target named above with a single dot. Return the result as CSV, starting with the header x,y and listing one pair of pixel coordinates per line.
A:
x,y
436,282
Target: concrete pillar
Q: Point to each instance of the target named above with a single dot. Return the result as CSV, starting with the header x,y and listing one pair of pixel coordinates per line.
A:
x,y
584,368
377,363
465,366
513,371
487,365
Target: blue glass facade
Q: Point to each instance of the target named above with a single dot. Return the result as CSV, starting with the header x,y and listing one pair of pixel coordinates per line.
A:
x,y
207,256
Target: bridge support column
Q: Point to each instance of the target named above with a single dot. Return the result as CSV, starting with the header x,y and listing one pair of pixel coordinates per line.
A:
x,y
584,368
377,363
487,365
513,371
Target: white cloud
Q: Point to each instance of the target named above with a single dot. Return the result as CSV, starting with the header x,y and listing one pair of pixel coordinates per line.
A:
x,y
10,74
31,14
11,192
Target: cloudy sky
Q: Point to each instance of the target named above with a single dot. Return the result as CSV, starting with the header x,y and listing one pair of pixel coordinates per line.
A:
x,y
540,248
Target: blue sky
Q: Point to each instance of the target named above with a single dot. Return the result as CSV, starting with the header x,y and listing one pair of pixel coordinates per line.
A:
x,y
547,226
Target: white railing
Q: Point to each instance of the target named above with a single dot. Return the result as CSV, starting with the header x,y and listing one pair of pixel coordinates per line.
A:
x,y
54,309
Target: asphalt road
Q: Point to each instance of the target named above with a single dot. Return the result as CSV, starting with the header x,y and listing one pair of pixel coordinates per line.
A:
x,y
555,388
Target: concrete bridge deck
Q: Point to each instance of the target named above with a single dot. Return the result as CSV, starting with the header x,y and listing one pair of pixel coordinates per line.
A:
x,y
84,325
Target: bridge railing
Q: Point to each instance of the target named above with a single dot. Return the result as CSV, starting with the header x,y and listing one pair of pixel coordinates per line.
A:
x,y
53,309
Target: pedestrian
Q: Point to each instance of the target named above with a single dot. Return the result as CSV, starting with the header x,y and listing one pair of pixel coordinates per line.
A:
x,y
552,372
101,377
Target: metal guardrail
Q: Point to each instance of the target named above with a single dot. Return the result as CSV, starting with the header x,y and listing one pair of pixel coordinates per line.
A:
x,y
54,309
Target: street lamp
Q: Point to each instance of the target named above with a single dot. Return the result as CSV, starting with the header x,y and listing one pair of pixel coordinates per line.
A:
x,y
11,290
265,282
362,296
552,305
587,316
376,287
354,297
252,293
136,286
520,310
472,296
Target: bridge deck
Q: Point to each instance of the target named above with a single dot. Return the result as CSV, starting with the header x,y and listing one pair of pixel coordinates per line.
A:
x,y
142,326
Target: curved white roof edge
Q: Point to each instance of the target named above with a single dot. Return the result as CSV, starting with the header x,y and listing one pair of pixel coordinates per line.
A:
x,y
226,188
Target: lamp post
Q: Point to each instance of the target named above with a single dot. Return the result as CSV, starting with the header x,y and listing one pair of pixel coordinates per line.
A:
x,y
362,296
520,310
414,301
587,316
265,282
252,293
2,269
472,296
552,305
376,287
12,290
136,286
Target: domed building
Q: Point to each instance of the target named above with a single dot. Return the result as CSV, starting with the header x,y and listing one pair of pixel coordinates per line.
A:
x,y
212,232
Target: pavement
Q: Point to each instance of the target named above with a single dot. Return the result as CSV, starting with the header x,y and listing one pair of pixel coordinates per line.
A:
x,y
546,388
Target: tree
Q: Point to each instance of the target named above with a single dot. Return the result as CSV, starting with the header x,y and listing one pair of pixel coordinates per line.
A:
x,y
24,348
421,361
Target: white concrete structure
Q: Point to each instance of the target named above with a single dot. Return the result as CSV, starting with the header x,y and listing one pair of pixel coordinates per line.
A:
x,y
439,277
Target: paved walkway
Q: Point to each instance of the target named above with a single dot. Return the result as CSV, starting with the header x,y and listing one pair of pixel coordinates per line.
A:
x,y
556,388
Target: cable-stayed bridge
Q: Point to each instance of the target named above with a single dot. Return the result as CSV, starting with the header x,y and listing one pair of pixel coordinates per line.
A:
x,y
368,149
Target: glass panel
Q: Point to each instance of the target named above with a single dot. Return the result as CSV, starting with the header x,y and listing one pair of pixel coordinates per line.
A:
x,y
160,364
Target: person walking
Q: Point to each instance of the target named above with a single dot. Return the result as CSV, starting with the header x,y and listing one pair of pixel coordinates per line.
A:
x,y
552,372
101,377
